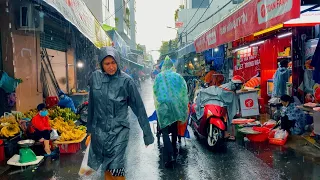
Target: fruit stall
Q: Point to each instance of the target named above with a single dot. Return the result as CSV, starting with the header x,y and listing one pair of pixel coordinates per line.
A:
x,y
66,135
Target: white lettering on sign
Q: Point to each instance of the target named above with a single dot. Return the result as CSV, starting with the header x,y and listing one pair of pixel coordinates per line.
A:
x,y
212,38
241,20
269,9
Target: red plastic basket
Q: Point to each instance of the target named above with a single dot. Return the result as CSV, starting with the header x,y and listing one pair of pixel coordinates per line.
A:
x,y
275,141
259,137
51,101
69,148
2,154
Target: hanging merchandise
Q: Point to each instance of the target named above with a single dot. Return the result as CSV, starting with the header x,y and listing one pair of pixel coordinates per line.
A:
x,y
9,84
316,64
11,99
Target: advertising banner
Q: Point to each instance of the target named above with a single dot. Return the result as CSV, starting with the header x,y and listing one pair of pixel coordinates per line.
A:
x,y
254,16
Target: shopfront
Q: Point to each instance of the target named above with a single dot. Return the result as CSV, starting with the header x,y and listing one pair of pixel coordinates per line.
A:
x,y
263,34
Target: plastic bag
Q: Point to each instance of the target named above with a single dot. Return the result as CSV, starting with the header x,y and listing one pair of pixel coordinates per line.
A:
x,y
85,170
54,134
280,134
8,84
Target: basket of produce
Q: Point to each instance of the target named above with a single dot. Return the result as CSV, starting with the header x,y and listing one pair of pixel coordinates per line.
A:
x,y
261,137
9,126
70,135
278,137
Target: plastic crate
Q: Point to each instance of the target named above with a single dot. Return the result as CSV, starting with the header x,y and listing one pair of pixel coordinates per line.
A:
x,y
275,141
259,137
69,148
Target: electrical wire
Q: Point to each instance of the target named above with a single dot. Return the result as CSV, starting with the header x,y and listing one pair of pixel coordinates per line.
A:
x,y
116,10
196,25
193,16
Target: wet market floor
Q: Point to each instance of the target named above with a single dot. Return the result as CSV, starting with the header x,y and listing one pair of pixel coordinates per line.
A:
x,y
195,162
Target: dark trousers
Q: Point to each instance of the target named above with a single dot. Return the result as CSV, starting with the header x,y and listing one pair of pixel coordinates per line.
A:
x,y
170,147
287,124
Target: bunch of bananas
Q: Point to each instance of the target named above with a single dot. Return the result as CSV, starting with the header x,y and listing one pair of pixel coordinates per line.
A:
x,y
75,134
9,126
30,114
68,130
66,113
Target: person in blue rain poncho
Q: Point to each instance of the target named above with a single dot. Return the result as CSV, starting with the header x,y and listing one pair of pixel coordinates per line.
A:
x,y
111,93
280,79
66,102
171,102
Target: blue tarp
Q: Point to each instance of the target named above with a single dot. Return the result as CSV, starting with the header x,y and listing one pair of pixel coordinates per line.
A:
x,y
217,57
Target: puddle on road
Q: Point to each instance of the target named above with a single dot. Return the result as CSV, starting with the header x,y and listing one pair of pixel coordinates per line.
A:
x,y
286,160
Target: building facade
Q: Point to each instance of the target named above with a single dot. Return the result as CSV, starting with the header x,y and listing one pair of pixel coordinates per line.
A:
x,y
206,14
125,21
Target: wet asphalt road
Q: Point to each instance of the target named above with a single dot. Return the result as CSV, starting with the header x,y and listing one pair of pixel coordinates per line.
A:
x,y
195,162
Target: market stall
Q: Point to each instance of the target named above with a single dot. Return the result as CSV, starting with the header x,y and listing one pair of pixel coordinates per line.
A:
x,y
270,46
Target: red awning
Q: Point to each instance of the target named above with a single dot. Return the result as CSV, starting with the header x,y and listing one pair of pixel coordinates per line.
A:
x,y
253,16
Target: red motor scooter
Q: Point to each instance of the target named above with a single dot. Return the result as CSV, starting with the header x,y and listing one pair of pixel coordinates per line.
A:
x,y
211,125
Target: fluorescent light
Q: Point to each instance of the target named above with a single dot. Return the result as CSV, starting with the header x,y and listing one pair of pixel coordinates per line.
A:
x,y
80,65
242,48
279,26
284,35
216,49
256,43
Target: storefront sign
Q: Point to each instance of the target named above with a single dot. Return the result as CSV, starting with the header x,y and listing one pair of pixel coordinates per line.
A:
x,y
246,63
254,16
80,16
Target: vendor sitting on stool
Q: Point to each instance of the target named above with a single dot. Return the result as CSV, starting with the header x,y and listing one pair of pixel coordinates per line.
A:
x,y
293,119
42,127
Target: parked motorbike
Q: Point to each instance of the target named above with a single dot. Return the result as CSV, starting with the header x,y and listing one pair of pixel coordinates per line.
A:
x,y
82,110
211,126
213,123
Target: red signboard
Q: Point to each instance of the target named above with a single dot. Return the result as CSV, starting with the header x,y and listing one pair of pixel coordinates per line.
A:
x,y
255,16
246,63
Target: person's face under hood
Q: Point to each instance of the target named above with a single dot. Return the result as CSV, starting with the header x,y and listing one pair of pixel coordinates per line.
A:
x,y
109,60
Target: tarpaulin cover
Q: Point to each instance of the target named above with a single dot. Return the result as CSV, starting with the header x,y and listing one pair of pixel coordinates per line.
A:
x,y
170,92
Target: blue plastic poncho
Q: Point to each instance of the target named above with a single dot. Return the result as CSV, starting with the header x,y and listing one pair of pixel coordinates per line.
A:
x,y
170,94
66,102
280,80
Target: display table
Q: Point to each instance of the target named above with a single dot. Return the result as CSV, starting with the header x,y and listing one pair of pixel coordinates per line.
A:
x,y
248,100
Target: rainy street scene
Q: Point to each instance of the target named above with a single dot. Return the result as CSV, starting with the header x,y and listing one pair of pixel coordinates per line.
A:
x,y
159,90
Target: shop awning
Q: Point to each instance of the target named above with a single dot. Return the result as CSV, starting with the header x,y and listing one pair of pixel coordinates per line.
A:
x,y
252,16
119,43
189,48
132,62
78,14
307,18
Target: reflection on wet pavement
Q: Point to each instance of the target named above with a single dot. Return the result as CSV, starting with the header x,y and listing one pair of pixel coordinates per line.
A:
x,y
195,161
